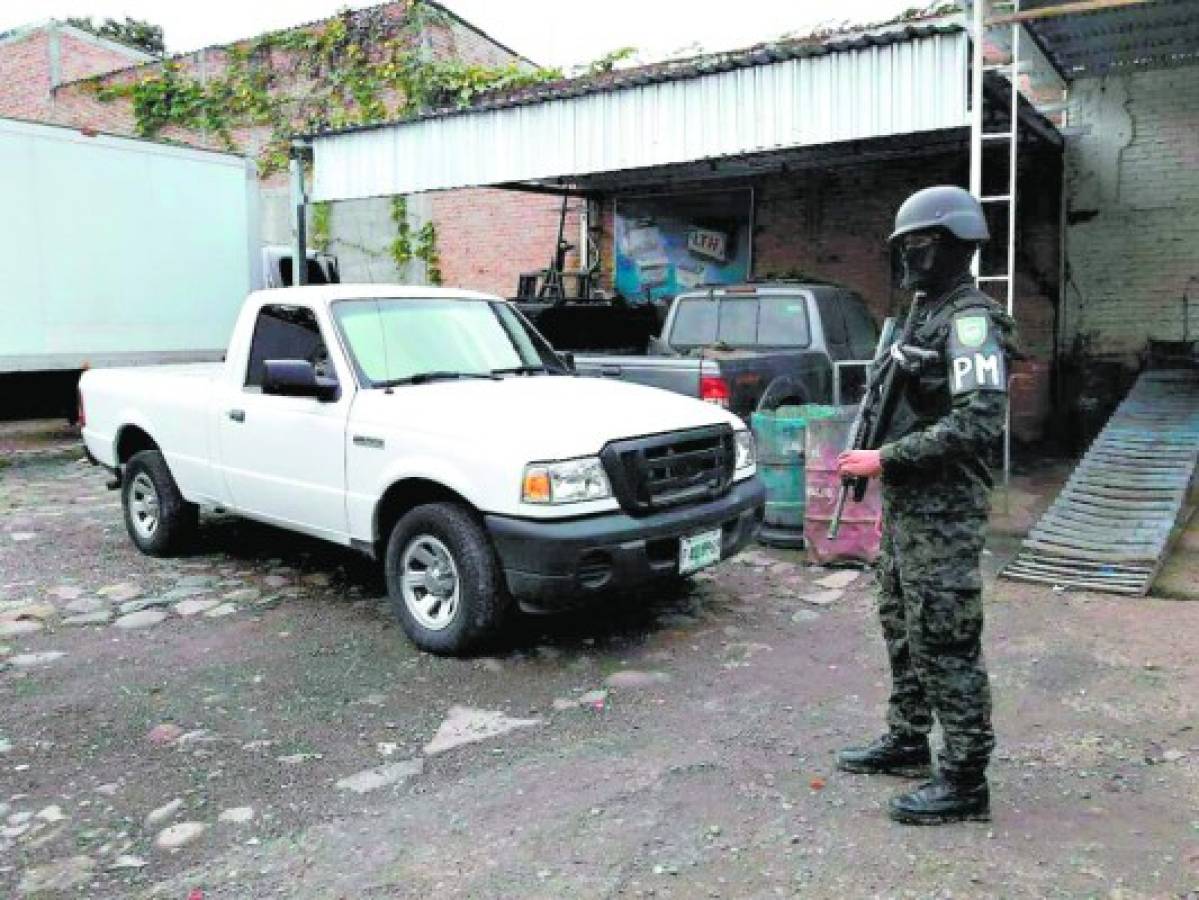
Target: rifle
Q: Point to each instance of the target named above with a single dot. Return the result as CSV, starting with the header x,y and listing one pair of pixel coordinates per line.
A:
x,y
875,410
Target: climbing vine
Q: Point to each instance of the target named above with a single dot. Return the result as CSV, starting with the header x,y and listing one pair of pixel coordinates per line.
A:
x,y
322,226
425,249
401,245
407,245
361,67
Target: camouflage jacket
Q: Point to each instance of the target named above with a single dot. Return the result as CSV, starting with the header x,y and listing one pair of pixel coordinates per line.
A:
x,y
949,416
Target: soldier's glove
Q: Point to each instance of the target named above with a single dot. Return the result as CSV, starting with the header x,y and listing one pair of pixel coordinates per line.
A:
x,y
913,360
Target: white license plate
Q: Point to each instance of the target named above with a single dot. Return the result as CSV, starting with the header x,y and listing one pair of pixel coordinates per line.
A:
x,y
699,551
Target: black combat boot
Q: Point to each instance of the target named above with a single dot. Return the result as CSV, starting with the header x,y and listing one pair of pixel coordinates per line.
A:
x,y
944,800
892,754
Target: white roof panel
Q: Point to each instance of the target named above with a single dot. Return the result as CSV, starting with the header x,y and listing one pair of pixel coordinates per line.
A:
x,y
905,86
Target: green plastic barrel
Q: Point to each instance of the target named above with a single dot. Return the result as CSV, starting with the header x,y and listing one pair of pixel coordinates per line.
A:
x,y
780,435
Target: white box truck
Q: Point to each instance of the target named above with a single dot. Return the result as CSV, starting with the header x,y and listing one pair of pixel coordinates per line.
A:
x,y
120,251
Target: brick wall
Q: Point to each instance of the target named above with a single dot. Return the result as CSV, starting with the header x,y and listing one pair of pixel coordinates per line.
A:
x,y
76,103
488,237
25,76
1133,210
82,57
26,67
833,225
460,41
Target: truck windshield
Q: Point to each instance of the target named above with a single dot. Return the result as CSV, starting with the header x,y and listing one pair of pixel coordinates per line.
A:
x,y
392,341
740,322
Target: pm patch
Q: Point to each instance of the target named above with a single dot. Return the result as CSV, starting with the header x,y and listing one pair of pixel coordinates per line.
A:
x,y
976,359
971,330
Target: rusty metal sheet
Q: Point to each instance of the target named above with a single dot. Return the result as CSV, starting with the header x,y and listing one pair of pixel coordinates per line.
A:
x,y
1100,585
1111,526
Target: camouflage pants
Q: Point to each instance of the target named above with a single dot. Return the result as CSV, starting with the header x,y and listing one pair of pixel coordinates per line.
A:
x,y
930,606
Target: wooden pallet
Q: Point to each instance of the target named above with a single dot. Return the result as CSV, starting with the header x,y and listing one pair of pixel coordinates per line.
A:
x,y
1113,523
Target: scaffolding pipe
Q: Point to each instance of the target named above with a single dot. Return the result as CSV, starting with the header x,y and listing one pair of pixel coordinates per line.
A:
x,y
1013,193
976,113
299,204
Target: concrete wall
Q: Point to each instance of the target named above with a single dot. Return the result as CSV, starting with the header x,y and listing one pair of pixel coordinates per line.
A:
x,y
1133,211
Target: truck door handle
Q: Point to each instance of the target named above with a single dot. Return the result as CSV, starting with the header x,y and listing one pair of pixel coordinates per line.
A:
x,y
237,415
611,371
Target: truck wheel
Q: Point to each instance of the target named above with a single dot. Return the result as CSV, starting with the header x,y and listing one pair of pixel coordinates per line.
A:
x,y
158,519
443,579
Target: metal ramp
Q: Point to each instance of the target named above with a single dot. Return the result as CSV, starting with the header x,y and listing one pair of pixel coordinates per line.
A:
x,y
1111,526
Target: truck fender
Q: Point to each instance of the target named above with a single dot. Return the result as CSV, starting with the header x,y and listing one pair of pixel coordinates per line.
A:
x,y
431,479
130,419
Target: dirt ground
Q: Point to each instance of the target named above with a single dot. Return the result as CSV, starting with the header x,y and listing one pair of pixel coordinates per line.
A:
x,y
267,730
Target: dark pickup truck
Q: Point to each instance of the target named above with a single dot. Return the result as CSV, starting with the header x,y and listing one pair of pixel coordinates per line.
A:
x,y
736,344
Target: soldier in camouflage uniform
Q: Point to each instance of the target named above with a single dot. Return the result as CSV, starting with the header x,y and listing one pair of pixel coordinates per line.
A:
x,y
936,492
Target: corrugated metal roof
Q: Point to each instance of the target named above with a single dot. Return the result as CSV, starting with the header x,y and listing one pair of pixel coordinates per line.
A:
x,y
674,70
1149,35
770,98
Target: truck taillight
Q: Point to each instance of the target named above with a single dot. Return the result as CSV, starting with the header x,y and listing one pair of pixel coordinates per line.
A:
x,y
714,389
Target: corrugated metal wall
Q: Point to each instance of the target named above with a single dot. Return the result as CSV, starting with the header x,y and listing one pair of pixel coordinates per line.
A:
x,y
899,88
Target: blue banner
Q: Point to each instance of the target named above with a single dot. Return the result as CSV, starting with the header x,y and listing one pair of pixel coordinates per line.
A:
x,y
669,244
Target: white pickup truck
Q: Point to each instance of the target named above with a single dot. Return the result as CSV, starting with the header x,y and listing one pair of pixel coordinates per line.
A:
x,y
435,430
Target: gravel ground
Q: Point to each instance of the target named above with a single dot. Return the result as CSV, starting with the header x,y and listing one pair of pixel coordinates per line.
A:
x,y
265,729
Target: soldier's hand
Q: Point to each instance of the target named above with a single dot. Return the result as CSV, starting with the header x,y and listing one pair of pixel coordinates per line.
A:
x,y
860,463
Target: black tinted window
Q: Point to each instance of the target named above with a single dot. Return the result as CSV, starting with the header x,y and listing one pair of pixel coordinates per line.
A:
x,y
695,323
742,322
784,322
286,332
835,334
863,332
738,322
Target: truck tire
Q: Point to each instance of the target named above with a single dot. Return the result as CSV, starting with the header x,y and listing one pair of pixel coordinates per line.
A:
x,y
443,579
159,521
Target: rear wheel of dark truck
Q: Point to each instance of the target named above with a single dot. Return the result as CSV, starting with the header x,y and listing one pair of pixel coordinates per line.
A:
x,y
159,521
443,579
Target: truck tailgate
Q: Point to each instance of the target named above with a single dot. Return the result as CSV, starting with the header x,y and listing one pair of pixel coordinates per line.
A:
x,y
677,374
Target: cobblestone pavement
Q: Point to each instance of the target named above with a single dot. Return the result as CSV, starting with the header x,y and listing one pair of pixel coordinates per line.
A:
x,y
250,722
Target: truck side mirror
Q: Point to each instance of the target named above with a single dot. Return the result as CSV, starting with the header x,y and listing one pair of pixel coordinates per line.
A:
x,y
297,378
568,359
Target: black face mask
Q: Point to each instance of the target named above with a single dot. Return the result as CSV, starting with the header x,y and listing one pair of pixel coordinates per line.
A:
x,y
929,260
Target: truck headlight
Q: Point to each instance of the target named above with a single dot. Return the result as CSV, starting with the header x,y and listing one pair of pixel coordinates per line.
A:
x,y
747,450
574,481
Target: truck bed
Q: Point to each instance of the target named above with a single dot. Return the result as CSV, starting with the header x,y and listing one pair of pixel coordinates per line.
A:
x,y
679,374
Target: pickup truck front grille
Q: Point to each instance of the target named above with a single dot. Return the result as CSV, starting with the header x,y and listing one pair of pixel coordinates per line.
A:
x,y
666,470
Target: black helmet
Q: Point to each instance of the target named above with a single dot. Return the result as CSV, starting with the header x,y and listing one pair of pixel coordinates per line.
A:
x,y
937,231
944,206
